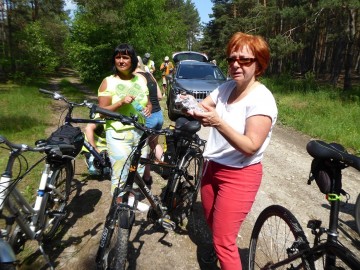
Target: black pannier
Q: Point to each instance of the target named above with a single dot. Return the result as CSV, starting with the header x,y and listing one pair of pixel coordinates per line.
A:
x,y
68,135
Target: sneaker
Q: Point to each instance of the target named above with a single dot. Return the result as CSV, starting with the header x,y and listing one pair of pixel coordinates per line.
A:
x,y
209,257
92,170
142,207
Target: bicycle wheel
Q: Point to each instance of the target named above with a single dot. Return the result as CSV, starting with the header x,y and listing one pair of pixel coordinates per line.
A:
x,y
61,178
277,235
357,213
183,186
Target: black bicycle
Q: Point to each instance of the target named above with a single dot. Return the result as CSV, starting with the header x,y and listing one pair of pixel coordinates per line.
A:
x,y
183,160
278,241
101,160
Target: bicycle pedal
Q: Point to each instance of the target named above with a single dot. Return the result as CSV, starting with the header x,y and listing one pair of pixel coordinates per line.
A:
x,y
167,224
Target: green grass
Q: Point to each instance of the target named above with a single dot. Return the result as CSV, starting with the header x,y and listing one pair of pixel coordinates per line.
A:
x,y
321,111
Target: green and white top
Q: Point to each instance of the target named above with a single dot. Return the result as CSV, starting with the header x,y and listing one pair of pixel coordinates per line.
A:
x,y
118,89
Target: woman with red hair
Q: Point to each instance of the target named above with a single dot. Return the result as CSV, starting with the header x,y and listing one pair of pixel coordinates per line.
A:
x,y
241,114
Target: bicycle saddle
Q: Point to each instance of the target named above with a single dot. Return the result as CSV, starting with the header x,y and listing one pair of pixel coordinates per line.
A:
x,y
186,125
323,150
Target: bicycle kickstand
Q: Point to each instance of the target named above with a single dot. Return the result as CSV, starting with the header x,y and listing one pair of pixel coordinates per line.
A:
x,y
46,257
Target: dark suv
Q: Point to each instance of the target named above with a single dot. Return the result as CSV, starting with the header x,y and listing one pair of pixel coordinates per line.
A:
x,y
194,78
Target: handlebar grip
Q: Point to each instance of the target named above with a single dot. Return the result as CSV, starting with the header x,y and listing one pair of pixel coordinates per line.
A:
x,y
97,109
13,145
117,116
46,91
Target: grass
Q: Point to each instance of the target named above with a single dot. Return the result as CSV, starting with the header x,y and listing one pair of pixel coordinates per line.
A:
x,y
321,111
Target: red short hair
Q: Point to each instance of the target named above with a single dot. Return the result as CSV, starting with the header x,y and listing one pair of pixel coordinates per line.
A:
x,y
257,45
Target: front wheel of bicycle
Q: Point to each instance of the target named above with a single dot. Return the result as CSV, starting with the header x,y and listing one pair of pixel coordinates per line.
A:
x,y
276,236
60,179
118,246
183,186
357,213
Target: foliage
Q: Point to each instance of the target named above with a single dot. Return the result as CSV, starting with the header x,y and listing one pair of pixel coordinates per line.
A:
x,y
321,37
159,27
33,34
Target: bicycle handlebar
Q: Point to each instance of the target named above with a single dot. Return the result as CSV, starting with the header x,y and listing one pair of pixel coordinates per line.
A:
x,y
188,127
51,149
128,120
58,96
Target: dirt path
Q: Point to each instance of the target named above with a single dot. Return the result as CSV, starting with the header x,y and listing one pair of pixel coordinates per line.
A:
x,y
286,169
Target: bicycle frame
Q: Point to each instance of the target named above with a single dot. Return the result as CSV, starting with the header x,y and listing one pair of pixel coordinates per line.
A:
x,y
160,212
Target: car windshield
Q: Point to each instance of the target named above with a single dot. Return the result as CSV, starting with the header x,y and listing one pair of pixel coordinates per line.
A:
x,y
200,72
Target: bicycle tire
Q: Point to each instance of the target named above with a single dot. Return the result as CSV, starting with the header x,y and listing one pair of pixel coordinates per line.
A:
x,y
357,214
276,233
118,255
61,178
184,186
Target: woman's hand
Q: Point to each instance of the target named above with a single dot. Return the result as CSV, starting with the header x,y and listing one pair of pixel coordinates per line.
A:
x,y
209,118
147,111
127,99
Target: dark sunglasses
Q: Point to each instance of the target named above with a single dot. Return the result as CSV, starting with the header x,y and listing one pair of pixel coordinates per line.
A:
x,y
240,61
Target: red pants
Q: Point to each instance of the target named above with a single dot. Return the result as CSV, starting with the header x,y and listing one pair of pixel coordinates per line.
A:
x,y
227,195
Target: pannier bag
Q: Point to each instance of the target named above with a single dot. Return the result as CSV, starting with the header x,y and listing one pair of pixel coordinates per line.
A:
x,y
68,135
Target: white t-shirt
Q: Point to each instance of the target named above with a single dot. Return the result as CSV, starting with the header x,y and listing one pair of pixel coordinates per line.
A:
x,y
259,101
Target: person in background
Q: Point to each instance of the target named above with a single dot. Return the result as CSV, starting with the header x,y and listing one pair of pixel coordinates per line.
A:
x,y
126,93
167,68
149,64
95,135
155,120
241,114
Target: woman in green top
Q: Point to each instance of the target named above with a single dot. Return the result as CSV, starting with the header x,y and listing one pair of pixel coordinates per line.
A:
x,y
126,93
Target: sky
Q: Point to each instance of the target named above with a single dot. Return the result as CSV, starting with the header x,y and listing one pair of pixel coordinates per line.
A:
x,y
204,8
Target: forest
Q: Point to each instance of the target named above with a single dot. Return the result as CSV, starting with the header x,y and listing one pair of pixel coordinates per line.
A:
x,y
317,39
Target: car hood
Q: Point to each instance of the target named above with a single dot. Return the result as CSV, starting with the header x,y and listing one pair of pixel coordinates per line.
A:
x,y
198,85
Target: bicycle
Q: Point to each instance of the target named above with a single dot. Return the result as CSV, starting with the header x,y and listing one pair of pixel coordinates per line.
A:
x,y
278,240
184,162
41,220
100,160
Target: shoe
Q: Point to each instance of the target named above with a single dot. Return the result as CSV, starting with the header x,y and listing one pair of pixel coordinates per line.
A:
x,y
209,257
142,207
92,170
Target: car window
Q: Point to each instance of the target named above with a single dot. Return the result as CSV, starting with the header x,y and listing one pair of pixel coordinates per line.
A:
x,y
181,56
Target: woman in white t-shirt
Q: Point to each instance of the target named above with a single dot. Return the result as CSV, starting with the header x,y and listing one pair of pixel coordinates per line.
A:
x,y
241,113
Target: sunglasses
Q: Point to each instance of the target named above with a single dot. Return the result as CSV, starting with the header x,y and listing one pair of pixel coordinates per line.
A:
x,y
240,61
